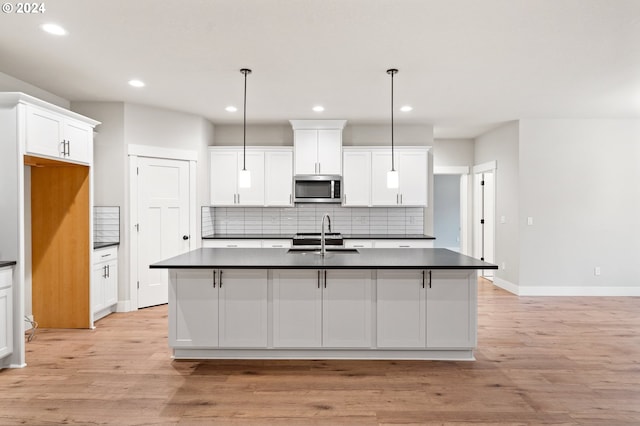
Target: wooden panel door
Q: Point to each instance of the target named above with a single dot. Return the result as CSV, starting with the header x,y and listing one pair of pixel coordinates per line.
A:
x,y
401,309
297,308
61,255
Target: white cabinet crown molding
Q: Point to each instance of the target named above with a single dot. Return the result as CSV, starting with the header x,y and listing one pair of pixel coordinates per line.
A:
x,y
13,98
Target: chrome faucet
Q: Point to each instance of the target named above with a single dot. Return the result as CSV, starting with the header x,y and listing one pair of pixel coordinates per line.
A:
x,y
323,250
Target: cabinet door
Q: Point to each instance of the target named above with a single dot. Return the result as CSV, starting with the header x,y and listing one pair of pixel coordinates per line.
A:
x,y
111,284
452,310
243,308
305,147
346,310
231,243
97,287
401,309
193,309
380,194
223,173
278,178
330,152
412,174
356,178
44,133
79,137
254,195
6,321
297,309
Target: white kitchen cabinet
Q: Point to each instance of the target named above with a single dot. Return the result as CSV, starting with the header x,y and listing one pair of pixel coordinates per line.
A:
x,y
6,312
278,178
401,308
451,309
297,308
276,243
193,309
346,308
53,135
224,167
411,165
358,244
104,283
356,178
243,308
317,146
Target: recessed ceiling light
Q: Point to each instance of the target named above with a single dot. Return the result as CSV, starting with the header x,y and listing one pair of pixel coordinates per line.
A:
x,y
406,108
136,83
318,108
54,29
231,108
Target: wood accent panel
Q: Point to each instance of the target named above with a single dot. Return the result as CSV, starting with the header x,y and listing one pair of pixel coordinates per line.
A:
x,y
61,254
540,361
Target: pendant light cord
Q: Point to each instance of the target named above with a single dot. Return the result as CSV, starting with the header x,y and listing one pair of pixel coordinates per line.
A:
x,y
392,71
244,121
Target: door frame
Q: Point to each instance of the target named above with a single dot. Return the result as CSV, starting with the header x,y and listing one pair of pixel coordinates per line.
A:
x,y
463,172
131,214
487,167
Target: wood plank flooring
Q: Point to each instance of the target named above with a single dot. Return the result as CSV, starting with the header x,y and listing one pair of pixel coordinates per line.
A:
x,y
542,360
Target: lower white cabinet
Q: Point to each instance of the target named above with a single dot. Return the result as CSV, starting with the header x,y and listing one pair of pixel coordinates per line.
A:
x,y
218,308
104,283
231,243
452,300
414,243
276,243
6,311
401,309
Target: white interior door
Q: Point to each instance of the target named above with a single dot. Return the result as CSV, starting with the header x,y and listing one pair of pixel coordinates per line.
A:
x,y
484,218
163,223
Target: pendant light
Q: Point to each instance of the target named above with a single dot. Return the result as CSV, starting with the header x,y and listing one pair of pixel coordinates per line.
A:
x,y
392,175
244,176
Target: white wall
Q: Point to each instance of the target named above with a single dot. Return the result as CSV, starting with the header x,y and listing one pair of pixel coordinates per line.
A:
x,y
580,182
257,135
12,84
453,152
501,145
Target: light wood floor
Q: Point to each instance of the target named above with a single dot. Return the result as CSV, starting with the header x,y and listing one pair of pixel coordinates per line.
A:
x,y
540,360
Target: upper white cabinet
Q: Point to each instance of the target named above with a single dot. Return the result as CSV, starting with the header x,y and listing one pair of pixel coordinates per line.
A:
x,y
411,165
53,135
317,146
356,177
278,178
271,176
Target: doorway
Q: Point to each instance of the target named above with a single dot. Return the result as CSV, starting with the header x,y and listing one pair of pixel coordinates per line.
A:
x,y
162,216
450,208
484,200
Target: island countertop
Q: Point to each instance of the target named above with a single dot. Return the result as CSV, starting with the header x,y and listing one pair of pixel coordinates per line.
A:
x,y
257,258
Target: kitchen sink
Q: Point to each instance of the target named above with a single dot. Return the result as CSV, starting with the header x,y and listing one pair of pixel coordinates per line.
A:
x,y
317,251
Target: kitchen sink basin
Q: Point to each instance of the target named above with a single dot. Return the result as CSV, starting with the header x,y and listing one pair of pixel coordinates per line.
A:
x,y
317,251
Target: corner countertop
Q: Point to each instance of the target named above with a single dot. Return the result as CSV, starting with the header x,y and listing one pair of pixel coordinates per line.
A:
x,y
345,236
256,258
97,246
4,263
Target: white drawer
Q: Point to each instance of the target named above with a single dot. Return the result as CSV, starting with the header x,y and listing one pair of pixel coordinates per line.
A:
x,y
276,243
403,243
6,277
358,243
232,243
105,254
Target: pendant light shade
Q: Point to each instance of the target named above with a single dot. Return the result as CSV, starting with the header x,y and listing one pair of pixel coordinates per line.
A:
x,y
244,176
393,179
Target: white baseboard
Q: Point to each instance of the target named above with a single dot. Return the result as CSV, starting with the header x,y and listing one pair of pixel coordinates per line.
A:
x,y
565,290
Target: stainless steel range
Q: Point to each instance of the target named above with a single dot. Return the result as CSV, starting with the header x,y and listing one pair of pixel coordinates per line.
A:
x,y
311,240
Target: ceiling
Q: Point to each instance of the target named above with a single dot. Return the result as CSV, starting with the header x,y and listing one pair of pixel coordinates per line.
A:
x,y
465,65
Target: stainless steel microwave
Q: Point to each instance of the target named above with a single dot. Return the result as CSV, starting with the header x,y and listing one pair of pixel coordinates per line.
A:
x,y
318,189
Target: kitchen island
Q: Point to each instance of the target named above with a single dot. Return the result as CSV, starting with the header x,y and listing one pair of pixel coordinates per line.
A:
x,y
360,304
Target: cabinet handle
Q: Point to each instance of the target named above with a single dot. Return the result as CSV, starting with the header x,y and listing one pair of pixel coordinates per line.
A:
x,y
232,245
404,246
238,198
220,279
214,278
319,168
397,198
68,149
64,149
358,245
325,278
401,202
106,255
276,245
104,271
318,278
108,271
290,199
423,279
429,279
344,198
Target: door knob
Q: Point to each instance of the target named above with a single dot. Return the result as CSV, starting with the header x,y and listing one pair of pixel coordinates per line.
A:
x,y
185,237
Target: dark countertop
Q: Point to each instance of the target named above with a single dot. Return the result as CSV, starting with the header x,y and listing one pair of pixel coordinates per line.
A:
x,y
345,236
256,258
104,245
4,263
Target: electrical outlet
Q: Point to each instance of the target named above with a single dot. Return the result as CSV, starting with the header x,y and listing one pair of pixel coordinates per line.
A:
x,y
596,271
529,221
